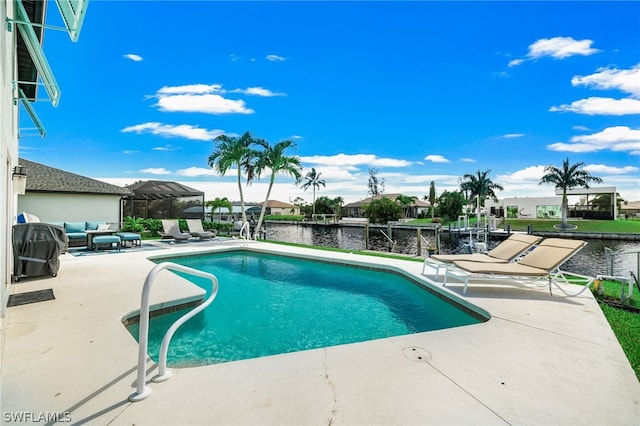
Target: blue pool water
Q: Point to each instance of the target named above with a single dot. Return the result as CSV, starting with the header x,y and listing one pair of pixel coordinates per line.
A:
x,y
269,304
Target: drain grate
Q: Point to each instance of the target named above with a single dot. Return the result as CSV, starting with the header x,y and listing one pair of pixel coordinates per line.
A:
x,y
30,297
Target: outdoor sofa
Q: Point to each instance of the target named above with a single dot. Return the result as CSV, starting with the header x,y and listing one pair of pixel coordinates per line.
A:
x,y
76,231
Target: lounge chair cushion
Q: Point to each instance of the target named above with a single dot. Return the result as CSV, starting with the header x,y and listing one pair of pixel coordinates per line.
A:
x,y
517,243
507,269
172,229
547,256
504,252
551,253
475,257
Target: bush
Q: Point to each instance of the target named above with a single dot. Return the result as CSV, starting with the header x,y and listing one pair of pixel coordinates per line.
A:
x,y
154,226
383,210
133,224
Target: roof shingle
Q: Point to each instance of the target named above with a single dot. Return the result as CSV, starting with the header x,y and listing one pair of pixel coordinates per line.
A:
x,y
41,178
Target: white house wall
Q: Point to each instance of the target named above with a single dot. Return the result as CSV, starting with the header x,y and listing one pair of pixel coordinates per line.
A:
x,y
527,206
52,207
8,148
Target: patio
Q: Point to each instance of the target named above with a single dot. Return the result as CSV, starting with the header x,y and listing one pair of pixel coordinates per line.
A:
x,y
538,360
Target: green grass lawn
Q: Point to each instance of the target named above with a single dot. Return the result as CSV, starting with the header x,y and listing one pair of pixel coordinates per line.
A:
x,y
614,226
583,225
625,325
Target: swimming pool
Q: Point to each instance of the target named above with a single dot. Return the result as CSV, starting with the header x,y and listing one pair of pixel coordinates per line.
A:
x,y
269,304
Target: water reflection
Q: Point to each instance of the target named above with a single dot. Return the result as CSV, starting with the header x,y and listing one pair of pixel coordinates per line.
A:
x,y
589,261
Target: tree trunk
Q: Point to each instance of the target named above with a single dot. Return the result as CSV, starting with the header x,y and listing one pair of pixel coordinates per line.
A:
x,y
565,207
244,214
264,205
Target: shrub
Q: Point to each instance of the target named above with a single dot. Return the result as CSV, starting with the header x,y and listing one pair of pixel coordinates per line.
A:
x,y
383,210
133,224
154,226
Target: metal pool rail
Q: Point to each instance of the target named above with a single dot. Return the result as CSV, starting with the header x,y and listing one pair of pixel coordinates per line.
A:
x,y
142,390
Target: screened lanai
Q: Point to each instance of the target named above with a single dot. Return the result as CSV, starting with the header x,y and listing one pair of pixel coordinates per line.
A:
x,y
157,199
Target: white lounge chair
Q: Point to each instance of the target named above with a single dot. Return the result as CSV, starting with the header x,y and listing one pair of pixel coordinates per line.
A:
x,y
541,263
172,230
505,252
196,229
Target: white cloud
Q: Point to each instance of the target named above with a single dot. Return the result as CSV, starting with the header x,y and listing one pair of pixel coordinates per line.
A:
x,y
258,91
560,48
601,106
436,159
164,148
275,58
523,182
156,171
130,151
133,57
467,160
617,138
531,173
344,160
196,172
513,135
515,62
627,81
190,89
208,104
557,48
335,173
609,170
581,128
168,130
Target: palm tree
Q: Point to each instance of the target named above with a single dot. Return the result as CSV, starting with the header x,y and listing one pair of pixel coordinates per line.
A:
x,y
218,204
232,151
479,187
273,158
565,178
312,179
338,202
405,202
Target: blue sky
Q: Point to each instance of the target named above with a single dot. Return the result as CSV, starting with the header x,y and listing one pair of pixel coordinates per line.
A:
x,y
421,91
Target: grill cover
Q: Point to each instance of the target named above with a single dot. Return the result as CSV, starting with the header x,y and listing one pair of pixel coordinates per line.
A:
x,y
37,248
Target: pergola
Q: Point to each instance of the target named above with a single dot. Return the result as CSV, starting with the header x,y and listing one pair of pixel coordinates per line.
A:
x,y
157,199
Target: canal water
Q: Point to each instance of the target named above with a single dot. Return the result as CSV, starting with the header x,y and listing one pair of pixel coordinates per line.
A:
x,y
589,261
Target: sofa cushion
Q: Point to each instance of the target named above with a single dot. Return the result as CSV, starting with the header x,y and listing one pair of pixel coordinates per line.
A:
x,y
92,226
76,235
70,227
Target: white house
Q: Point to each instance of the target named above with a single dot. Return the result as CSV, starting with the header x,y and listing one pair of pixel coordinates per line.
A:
x,y
551,207
56,195
526,207
25,76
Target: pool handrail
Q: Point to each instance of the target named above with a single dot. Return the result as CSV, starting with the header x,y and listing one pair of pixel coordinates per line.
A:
x,y
245,226
142,390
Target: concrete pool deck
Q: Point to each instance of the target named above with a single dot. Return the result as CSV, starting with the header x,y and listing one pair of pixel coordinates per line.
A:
x,y
540,359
